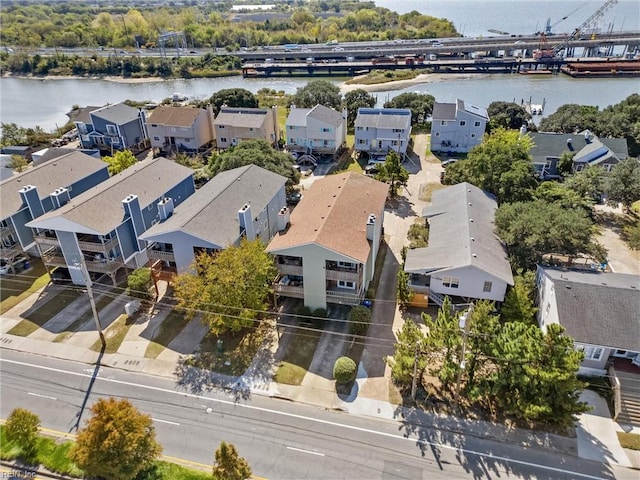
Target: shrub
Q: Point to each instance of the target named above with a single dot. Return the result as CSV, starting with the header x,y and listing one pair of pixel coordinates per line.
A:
x,y
303,311
359,319
344,370
320,312
140,284
22,429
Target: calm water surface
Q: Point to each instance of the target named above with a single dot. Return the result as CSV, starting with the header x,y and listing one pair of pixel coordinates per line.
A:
x,y
29,102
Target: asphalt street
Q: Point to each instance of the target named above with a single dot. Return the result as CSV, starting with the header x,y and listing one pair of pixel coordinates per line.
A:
x,y
280,439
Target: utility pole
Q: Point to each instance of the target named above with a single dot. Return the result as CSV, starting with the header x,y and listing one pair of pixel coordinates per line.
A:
x,y
464,325
87,280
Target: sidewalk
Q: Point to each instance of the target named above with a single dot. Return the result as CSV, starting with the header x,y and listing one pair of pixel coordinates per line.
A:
x,y
596,432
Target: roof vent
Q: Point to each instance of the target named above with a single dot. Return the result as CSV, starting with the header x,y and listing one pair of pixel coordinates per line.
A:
x,y
568,287
473,239
471,220
474,255
470,204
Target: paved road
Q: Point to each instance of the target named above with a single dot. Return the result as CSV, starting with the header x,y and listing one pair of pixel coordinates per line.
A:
x,y
279,439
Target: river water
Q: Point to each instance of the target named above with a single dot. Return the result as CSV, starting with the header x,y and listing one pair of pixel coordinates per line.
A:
x,y
31,102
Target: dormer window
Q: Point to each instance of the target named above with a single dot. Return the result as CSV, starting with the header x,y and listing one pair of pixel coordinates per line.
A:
x,y
112,130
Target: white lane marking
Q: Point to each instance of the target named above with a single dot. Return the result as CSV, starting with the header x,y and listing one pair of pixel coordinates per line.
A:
x,y
316,420
41,396
164,421
306,451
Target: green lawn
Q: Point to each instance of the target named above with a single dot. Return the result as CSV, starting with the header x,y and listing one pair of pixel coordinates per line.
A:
x,y
238,351
629,440
114,335
167,331
36,318
300,351
53,456
15,288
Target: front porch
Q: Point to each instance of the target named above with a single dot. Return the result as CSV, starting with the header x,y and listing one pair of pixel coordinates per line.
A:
x,y
624,374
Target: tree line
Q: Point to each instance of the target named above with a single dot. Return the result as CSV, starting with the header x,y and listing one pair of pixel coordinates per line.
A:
x,y
209,25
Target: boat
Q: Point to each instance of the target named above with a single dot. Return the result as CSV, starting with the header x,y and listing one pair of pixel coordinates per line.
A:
x,y
178,97
535,72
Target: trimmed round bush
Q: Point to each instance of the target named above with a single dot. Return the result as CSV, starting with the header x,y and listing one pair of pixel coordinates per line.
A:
x,y
344,370
303,311
320,312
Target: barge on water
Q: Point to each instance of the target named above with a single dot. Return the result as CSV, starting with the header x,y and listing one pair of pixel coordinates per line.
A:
x,y
620,68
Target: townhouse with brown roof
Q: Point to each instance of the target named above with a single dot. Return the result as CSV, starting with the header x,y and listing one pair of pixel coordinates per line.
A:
x,y
36,191
235,124
175,129
327,252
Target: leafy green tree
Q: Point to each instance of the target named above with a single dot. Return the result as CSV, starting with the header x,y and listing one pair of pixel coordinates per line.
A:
x,y
500,165
632,235
230,287
569,118
565,163
483,325
140,283
393,173
355,99
18,163
359,320
564,195
405,293
117,442
418,234
410,340
532,229
22,429
255,152
623,183
229,465
535,375
120,161
233,97
519,303
317,92
444,343
622,121
507,115
421,105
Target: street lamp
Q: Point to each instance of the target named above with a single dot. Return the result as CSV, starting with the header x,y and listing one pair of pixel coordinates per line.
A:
x,y
87,280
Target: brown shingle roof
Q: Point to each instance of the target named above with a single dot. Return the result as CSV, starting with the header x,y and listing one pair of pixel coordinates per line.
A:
x,y
334,213
174,116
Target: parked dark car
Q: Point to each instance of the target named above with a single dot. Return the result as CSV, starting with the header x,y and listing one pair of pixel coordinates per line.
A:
x,y
61,276
294,198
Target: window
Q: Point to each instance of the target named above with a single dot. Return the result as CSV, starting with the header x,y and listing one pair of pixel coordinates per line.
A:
x,y
443,123
397,130
223,140
473,135
394,143
607,167
579,168
343,284
361,141
591,353
326,130
463,123
111,130
359,129
325,143
476,124
347,265
82,128
437,134
251,129
156,138
451,282
487,286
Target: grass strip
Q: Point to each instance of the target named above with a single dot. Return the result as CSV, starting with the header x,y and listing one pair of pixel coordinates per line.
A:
x,y
167,331
15,288
301,348
629,440
54,457
45,312
114,335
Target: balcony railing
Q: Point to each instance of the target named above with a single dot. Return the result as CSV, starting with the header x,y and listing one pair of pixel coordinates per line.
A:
x,y
343,274
105,266
344,296
288,290
54,258
10,252
286,269
103,247
46,240
160,255
6,231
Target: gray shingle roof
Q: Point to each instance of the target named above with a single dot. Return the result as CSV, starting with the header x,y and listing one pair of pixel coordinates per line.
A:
x,y
461,233
82,114
62,171
548,144
384,118
242,117
211,213
598,308
118,114
99,210
298,117
444,111
326,115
